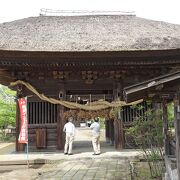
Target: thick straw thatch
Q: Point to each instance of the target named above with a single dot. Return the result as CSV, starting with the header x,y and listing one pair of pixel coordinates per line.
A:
x,y
88,33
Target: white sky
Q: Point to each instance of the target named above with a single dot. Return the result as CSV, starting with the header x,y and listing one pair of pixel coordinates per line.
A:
x,y
161,10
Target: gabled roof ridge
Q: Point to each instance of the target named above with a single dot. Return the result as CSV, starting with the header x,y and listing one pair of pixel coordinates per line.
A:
x,y
53,12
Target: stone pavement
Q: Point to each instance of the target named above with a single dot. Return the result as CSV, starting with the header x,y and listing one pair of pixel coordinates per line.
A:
x,y
113,165
79,153
82,148
82,165
83,169
91,169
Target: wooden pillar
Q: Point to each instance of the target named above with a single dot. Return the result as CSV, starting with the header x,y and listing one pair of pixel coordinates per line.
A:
x,y
60,120
111,131
177,131
165,128
107,131
60,125
118,133
19,147
118,123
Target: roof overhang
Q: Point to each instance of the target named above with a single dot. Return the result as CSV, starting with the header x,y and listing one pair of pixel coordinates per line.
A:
x,y
147,89
96,54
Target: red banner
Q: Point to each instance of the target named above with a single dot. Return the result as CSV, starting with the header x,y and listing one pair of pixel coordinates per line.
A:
x,y
23,136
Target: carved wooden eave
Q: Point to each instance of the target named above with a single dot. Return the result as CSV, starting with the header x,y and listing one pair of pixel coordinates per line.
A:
x,y
90,65
69,60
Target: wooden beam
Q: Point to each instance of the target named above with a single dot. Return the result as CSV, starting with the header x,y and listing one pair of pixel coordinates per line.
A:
x,y
107,131
19,147
118,123
111,131
177,131
165,127
118,134
60,125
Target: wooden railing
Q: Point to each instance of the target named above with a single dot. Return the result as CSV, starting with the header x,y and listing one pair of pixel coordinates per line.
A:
x,y
42,113
129,113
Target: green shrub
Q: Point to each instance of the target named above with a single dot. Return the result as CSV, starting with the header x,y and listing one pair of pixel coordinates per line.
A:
x,y
7,110
147,132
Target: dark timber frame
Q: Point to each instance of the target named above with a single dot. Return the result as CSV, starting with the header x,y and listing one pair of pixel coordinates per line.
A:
x,y
79,73
163,89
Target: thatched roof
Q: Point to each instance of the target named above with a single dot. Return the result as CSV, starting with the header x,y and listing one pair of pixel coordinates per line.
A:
x,y
88,33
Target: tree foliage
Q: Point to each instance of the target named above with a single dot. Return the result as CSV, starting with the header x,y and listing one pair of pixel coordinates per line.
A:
x,y
7,107
7,114
147,132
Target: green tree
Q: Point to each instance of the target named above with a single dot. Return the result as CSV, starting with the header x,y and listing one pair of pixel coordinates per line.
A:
x,y
7,114
7,108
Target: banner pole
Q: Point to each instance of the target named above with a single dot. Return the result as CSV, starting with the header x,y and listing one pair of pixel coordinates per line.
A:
x,y
27,146
27,154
